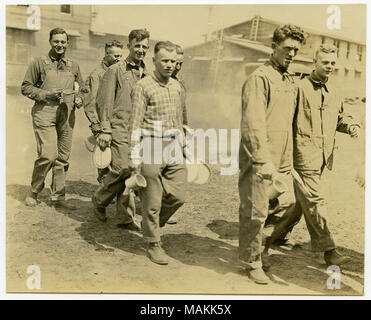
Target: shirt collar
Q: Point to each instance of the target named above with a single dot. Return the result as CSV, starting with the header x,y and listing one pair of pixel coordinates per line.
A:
x,y
280,69
315,80
277,66
53,57
134,65
105,64
160,83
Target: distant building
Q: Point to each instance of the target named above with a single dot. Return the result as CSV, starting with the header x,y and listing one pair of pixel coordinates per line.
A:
x,y
230,54
27,35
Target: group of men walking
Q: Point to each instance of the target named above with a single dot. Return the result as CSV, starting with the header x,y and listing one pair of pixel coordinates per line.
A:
x,y
286,125
119,97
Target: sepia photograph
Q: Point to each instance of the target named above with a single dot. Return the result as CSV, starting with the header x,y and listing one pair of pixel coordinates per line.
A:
x,y
209,149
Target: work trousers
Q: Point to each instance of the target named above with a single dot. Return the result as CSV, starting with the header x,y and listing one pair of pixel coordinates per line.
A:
x,y
163,196
53,127
312,205
253,212
113,183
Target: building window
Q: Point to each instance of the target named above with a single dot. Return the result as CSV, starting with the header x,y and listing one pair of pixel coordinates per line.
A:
x,y
348,50
346,72
66,8
359,52
357,74
337,45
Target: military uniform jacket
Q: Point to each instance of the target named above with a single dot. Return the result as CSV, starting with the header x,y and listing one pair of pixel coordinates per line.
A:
x,y
318,116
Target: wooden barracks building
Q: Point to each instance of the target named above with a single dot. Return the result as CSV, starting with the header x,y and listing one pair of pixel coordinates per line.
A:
x,y
232,53
222,62
27,35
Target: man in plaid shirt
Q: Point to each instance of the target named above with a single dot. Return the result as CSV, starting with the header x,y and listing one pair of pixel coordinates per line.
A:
x,y
157,100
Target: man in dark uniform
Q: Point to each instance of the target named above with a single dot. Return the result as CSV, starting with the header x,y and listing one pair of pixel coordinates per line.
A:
x,y
113,54
49,81
268,106
114,110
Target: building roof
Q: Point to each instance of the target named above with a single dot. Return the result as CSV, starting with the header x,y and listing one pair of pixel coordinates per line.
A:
x,y
309,30
257,46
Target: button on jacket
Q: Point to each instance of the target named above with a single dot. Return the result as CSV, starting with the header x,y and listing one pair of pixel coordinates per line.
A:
x,y
318,116
114,105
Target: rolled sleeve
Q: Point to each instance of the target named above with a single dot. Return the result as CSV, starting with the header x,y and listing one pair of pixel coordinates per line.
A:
x,y
345,121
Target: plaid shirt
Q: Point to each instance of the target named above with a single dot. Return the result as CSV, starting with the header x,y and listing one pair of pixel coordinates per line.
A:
x,y
155,101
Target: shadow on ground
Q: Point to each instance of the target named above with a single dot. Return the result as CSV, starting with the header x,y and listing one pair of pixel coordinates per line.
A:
x,y
297,266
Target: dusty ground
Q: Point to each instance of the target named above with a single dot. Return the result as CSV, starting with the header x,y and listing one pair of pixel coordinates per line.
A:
x,y
77,253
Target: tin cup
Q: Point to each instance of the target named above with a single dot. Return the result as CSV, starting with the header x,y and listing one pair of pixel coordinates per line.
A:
x,y
275,188
67,96
135,182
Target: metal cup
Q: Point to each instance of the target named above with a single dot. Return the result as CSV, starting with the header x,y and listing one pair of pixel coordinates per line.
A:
x,y
67,96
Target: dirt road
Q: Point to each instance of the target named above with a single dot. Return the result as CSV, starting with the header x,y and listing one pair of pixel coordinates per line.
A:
x,y
77,253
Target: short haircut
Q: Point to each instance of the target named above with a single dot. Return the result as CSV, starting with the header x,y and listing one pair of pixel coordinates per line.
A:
x,y
179,49
325,48
57,31
138,34
113,43
167,45
289,31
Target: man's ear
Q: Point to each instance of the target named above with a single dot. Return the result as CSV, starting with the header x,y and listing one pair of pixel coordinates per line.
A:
x,y
274,45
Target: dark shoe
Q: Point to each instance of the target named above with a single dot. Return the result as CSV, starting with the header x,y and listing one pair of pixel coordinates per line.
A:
x,y
31,199
284,244
258,276
62,204
133,226
171,221
156,254
99,212
333,257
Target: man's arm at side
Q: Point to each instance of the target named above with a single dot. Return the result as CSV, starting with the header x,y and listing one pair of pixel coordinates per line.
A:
x,y
90,104
105,99
253,123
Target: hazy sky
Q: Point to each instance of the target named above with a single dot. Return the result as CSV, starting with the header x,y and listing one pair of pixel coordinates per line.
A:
x,y
184,24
